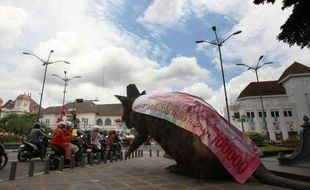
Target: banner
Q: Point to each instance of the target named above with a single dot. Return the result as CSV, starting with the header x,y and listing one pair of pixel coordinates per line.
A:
x,y
238,154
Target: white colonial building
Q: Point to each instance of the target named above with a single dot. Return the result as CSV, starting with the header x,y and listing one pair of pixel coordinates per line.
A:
x,y
285,101
90,115
21,105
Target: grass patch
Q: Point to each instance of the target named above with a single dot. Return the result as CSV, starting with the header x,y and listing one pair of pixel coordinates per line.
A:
x,y
273,148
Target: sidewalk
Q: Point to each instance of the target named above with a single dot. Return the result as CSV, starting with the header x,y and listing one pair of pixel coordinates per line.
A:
x,y
138,173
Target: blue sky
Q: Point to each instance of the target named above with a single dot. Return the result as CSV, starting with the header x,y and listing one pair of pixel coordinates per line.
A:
x,y
112,43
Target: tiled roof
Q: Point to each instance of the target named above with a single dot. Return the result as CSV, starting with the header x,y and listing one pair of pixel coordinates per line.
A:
x,y
110,109
9,104
23,97
89,107
264,88
295,68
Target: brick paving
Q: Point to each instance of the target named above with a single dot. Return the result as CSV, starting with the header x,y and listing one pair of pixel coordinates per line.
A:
x,y
142,173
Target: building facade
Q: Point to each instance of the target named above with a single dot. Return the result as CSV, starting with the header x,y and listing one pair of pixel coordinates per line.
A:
x,y
21,105
285,102
90,115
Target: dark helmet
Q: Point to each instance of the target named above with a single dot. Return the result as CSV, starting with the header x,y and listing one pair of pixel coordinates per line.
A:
x,y
37,125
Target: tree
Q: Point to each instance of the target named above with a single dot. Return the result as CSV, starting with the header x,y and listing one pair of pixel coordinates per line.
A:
x,y
296,29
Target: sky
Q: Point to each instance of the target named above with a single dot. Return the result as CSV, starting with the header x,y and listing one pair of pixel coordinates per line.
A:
x,y
150,43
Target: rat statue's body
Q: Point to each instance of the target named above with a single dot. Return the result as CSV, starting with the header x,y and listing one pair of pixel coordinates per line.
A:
x,y
192,156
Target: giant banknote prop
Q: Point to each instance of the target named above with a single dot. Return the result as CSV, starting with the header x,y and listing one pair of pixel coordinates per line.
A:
x,y
201,141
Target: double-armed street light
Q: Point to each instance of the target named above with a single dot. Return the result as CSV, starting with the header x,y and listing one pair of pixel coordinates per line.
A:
x,y
219,43
45,63
258,66
66,80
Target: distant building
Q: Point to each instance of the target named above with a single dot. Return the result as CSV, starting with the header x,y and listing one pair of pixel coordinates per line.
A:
x,y
23,104
285,102
90,115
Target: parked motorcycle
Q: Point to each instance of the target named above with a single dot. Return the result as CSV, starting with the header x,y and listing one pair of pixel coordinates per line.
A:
x,y
3,156
113,151
28,150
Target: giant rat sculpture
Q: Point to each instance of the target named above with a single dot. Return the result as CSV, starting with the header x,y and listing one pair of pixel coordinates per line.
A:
x,y
192,147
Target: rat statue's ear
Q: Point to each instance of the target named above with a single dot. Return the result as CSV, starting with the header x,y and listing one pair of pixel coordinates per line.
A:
x,y
132,91
143,93
123,99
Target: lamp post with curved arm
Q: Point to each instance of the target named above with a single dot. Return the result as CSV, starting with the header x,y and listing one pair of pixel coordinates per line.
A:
x,y
66,80
258,66
45,63
219,43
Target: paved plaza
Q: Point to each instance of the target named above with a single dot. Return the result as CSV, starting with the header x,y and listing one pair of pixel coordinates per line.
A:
x,y
137,173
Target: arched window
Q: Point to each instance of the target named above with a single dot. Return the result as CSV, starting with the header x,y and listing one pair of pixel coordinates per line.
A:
x,y
107,121
99,122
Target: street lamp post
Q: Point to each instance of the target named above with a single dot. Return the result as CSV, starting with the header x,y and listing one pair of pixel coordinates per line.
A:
x,y
45,63
66,80
260,94
219,43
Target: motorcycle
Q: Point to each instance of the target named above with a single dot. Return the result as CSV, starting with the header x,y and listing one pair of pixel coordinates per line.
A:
x,y
28,150
113,151
54,153
89,149
3,156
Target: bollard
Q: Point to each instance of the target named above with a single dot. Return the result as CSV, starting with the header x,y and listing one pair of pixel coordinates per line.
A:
x,y
121,155
105,158
47,166
157,153
91,159
72,162
132,155
83,160
136,153
141,153
150,153
61,163
99,157
31,168
13,170
125,155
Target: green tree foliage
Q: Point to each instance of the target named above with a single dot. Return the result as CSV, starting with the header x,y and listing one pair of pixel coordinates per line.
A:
x,y
20,124
296,29
258,138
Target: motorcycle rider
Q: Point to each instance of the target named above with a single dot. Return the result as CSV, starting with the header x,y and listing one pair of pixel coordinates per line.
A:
x,y
60,139
68,132
35,138
96,138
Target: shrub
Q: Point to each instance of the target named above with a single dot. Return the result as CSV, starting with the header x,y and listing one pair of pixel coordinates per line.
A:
x,y
291,141
258,138
10,139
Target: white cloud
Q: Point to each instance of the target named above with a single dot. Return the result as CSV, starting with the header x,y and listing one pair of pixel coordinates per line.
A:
x,y
162,12
12,21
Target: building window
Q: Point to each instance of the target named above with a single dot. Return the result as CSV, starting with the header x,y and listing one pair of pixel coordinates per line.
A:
x,y
274,114
250,115
261,115
85,121
99,122
236,115
47,122
107,121
287,113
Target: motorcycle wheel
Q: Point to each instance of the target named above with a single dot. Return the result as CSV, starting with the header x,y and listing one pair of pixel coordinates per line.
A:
x,y
22,155
3,161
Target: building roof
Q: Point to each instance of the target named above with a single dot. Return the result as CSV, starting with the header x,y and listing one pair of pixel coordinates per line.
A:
x,y
295,69
110,109
23,97
9,104
89,107
264,88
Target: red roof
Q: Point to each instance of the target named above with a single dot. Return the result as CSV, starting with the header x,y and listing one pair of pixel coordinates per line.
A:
x,y
264,88
23,97
295,68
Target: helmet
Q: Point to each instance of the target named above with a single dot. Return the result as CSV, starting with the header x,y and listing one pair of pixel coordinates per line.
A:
x,y
61,124
37,125
69,125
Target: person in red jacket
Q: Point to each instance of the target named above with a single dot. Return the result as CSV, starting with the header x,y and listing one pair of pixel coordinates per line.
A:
x,y
61,140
